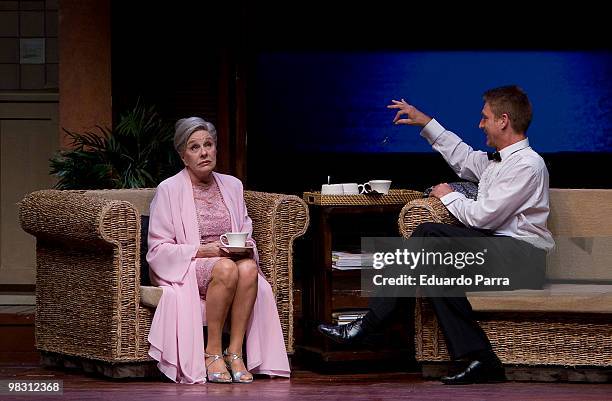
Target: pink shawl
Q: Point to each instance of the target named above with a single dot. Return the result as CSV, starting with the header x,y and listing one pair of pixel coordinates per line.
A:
x,y
176,335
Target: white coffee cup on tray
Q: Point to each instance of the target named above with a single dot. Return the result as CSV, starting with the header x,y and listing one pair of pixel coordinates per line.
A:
x,y
332,189
375,186
237,240
380,186
350,188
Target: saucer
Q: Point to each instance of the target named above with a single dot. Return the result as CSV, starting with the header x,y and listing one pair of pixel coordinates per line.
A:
x,y
236,249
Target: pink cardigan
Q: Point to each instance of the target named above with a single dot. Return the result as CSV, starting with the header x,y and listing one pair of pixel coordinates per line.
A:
x,y
176,335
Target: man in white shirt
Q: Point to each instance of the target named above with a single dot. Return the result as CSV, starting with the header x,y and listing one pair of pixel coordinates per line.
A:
x,y
512,202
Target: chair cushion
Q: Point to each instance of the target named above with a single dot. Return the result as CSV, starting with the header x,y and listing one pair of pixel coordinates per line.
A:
x,y
576,298
580,258
150,295
581,222
140,198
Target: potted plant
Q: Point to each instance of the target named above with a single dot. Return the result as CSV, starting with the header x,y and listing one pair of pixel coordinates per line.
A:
x,y
137,153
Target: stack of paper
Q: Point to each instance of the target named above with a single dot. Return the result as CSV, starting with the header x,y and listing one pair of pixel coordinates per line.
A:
x,y
350,260
345,317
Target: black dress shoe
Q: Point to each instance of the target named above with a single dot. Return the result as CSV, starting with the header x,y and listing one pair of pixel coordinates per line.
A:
x,y
478,372
350,333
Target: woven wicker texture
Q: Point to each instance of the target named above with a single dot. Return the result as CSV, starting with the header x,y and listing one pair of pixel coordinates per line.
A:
x,y
88,270
277,221
526,338
517,337
394,197
423,210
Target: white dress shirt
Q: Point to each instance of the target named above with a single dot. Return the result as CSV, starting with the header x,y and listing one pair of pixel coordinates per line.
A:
x,y
512,194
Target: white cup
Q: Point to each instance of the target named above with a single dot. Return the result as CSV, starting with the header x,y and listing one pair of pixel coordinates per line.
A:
x,y
350,189
332,189
380,186
364,188
234,239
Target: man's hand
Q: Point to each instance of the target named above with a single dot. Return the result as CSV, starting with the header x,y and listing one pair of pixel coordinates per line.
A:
x,y
415,116
440,190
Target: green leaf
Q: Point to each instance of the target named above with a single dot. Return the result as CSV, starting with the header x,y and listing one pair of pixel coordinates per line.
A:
x,y
137,152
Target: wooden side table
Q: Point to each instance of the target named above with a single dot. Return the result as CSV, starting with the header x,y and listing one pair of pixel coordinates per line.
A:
x,y
326,289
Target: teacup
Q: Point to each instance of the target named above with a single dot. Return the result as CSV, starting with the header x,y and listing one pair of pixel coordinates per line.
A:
x,y
332,189
350,189
377,186
380,186
234,239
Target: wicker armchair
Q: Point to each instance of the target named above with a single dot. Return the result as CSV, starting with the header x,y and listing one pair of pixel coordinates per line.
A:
x,y
568,323
89,310
422,211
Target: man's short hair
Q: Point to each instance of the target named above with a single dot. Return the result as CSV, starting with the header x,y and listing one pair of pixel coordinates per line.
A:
x,y
513,101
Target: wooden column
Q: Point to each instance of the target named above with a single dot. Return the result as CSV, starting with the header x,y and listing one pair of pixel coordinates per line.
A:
x,y
84,65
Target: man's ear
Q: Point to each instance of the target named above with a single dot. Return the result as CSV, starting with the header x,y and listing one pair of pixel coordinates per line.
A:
x,y
504,120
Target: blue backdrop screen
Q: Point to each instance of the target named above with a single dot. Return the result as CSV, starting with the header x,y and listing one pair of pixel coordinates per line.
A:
x,y
336,102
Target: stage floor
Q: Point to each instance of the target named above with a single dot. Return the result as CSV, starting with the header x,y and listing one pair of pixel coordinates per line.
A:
x,y
304,385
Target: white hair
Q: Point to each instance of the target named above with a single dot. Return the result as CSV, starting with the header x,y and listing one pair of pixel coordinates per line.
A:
x,y
187,126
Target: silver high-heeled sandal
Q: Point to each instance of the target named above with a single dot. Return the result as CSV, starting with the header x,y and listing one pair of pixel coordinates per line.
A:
x,y
241,376
216,377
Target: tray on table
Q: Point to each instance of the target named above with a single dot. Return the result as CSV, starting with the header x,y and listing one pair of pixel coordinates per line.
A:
x,y
394,197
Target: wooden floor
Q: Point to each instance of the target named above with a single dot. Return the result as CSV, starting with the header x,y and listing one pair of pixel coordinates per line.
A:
x,y
17,344
304,385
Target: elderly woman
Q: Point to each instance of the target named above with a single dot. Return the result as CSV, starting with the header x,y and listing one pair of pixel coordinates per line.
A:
x,y
204,284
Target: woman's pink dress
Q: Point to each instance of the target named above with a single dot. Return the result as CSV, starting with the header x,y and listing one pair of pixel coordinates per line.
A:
x,y
213,220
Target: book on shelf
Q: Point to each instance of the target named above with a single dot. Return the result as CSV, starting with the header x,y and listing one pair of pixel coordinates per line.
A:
x,y
351,260
345,317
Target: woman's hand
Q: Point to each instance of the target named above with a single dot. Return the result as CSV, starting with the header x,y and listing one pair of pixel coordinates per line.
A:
x,y
211,250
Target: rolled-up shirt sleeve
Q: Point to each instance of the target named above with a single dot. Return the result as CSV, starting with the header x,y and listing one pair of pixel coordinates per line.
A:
x,y
465,161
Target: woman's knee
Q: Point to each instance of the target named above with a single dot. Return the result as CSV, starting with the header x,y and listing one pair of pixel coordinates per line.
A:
x,y
247,270
225,271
